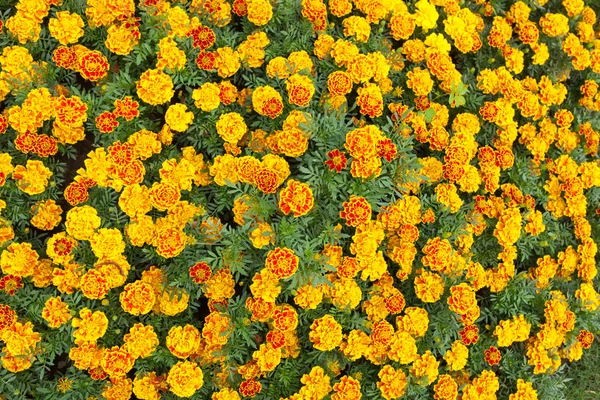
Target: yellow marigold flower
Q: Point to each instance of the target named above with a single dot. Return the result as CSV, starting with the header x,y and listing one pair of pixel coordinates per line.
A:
x,y
325,333
207,97
90,327
183,341
185,378
426,15
46,215
33,177
120,39
82,222
419,80
172,302
262,235
107,242
260,12
20,340
457,356
141,341
358,27
178,118
425,369
392,382
18,259
147,386
227,62
267,357
429,287
231,127
155,87
25,28
67,27
402,348
525,391
265,285
415,321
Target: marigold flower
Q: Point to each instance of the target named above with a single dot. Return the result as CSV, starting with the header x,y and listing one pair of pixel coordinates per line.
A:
x,y
231,127
357,211
116,362
137,298
392,382
178,118
325,333
66,27
282,262
492,356
93,66
183,341
296,197
90,327
300,90
155,87
336,160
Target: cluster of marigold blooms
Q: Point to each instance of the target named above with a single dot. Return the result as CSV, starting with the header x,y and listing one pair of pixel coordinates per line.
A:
x,y
381,248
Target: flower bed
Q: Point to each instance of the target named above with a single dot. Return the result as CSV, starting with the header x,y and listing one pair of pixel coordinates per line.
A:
x,y
297,199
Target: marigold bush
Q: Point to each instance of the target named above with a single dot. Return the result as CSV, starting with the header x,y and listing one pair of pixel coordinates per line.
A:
x,y
297,199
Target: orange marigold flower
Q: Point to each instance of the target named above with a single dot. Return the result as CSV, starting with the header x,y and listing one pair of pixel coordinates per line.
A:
x,y
206,60
94,284
446,388
200,272
9,284
202,37
586,338
106,122
164,195
285,318
357,211
282,262
469,335
337,160
296,197
387,149
65,57
250,388
462,299
45,146
170,242
8,317
71,111
76,193
339,83
126,108
346,388
93,66
493,356
300,89
117,362
138,298
370,100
